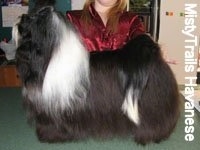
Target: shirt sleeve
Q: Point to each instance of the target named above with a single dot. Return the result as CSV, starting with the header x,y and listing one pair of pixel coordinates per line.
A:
x,y
69,16
136,28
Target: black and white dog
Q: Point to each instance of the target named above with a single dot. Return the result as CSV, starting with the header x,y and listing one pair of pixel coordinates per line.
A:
x,y
71,94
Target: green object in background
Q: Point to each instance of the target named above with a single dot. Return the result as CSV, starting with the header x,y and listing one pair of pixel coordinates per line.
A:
x,y
61,5
5,32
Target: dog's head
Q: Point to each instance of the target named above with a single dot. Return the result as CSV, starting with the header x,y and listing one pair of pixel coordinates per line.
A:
x,y
36,37
42,37
37,28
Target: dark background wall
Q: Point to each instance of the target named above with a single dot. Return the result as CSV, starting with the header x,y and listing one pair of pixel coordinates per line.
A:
x,y
5,32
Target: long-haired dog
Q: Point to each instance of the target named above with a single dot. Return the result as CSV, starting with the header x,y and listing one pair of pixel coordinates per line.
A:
x,y
71,94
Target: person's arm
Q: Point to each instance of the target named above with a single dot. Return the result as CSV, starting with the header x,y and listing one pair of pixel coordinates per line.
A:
x,y
136,28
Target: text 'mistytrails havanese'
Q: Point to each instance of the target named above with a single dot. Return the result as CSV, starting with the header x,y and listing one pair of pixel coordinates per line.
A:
x,y
72,94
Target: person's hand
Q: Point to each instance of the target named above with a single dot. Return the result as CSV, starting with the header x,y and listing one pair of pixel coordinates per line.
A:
x,y
169,60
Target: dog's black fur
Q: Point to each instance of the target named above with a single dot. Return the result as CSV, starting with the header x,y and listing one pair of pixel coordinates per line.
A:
x,y
95,107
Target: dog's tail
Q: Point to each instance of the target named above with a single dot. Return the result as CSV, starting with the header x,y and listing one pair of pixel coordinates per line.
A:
x,y
139,53
143,50
152,99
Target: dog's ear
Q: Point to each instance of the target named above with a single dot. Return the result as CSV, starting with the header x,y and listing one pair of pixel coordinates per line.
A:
x,y
23,25
44,11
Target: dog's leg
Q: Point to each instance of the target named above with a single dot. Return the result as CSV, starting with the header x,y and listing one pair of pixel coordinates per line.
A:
x,y
64,129
50,133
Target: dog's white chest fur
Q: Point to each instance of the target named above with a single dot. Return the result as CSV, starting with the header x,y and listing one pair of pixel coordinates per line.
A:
x,y
68,66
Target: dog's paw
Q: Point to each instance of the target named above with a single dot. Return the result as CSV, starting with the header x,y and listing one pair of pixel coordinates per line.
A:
x,y
50,134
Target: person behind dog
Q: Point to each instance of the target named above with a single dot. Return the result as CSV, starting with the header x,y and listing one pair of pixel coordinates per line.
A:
x,y
105,24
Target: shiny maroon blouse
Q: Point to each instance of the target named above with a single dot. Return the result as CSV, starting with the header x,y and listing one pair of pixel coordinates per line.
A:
x,y
97,37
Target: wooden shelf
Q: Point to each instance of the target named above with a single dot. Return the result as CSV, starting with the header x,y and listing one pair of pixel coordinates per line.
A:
x,y
9,76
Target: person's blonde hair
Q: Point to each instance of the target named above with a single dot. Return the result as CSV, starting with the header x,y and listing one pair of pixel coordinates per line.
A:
x,y
113,16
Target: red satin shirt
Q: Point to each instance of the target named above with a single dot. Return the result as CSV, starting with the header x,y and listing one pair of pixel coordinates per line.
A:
x,y
97,37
